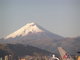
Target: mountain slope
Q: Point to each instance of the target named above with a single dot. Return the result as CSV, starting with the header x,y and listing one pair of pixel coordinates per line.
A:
x,y
21,50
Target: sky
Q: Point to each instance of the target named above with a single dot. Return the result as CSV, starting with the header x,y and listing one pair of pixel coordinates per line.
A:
x,y
57,16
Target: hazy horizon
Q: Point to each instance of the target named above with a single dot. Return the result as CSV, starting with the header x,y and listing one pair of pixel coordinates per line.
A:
x,y
57,16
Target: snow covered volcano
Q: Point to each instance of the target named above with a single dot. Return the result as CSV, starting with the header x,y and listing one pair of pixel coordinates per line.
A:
x,y
35,35
32,31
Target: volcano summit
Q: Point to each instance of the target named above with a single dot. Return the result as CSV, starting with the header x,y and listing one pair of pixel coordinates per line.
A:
x,y
32,31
